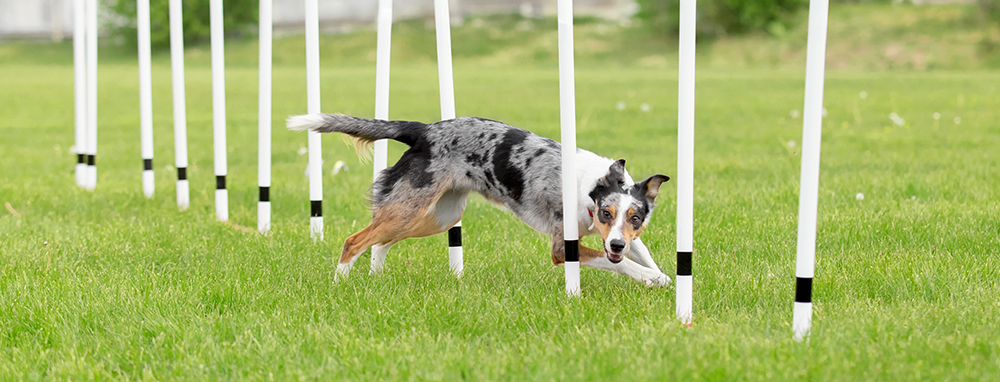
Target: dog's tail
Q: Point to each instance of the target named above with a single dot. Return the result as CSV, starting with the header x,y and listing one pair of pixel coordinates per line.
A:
x,y
363,131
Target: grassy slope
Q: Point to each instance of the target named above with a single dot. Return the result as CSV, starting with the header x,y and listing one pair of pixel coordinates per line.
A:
x,y
109,284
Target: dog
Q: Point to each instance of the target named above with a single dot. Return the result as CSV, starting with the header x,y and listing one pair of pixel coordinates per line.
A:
x,y
425,192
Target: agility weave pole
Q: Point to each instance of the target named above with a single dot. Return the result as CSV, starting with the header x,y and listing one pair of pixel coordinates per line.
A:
x,y
380,159
145,98
382,48
91,60
567,128
219,109
685,161
812,127
80,90
313,107
264,118
446,86
179,101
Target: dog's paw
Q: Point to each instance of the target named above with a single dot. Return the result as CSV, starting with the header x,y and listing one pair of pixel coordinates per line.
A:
x,y
660,280
343,270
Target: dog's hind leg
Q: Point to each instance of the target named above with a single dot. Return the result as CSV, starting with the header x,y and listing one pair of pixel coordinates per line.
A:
x,y
388,227
378,257
400,218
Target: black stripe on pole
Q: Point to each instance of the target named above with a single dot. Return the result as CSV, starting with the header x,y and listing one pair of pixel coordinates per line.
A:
x,y
147,164
81,158
684,263
803,289
182,173
265,194
91,160
455,236
220,182
572,250
317,207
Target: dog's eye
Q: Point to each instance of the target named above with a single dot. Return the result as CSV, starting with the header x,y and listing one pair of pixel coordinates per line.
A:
x,y
606,214
635,219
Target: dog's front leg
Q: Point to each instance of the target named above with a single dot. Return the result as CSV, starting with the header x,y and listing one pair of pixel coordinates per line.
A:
x,y
640,254
649,276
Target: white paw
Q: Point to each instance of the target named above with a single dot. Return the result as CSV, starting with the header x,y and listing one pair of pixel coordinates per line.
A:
x,y
377,266
660,280
342,271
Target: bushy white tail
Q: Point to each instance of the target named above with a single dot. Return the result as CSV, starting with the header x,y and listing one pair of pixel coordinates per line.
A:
x,y
305,122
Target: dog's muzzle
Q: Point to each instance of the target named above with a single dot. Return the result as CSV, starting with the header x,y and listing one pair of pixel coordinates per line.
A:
x,y
615,249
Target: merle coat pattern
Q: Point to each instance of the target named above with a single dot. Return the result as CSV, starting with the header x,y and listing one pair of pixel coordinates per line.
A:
x,y
425,192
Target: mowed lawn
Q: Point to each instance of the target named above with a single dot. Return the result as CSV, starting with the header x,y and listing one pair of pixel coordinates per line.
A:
x,y
111,285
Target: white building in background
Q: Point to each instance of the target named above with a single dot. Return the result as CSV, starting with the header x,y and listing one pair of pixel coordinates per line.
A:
x,y
54,18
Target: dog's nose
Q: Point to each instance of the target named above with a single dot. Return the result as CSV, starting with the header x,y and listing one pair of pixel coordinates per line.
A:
x,y
617,245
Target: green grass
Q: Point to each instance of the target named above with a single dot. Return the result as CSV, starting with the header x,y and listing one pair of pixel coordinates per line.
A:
x,y
110,285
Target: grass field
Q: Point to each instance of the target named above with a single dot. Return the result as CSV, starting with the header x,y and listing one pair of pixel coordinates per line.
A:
x,y
109,285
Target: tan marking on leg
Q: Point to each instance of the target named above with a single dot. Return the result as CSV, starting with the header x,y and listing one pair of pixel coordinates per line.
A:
x,y
559,250
393,223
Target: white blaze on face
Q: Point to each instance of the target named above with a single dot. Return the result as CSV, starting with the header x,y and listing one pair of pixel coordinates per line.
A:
x,y
621,219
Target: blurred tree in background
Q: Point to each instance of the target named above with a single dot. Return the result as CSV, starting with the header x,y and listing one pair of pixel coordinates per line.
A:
x,y
724,17
990,10
239,17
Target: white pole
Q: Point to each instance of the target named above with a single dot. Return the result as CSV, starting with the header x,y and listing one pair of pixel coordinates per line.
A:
x,y
219,108
264,120
685,162
91,36
382,48
313,106
812,126
145,98
567,123
446,86
180,104
80,90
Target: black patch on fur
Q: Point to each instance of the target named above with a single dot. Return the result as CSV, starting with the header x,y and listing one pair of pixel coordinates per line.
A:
x,y
510,176
493,136
540,152
558,215
412,165
476,159
454,142
411,133
491,182
485,120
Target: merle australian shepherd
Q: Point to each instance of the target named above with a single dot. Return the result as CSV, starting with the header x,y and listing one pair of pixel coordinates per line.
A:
x,y
425,192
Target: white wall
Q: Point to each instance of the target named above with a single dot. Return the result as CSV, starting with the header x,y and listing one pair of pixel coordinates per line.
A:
x,y
54,18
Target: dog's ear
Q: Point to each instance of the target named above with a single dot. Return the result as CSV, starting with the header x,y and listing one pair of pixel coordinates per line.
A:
x,y
651,186
616,174
614,180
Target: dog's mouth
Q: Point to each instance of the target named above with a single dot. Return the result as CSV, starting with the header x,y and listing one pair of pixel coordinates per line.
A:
x,y
615,248
614,258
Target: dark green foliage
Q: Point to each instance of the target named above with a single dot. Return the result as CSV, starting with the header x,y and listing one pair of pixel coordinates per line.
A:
x,y
721,17
990,9
238,16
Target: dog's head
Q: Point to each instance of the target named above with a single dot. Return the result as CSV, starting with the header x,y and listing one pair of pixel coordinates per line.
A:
x,y
621,210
